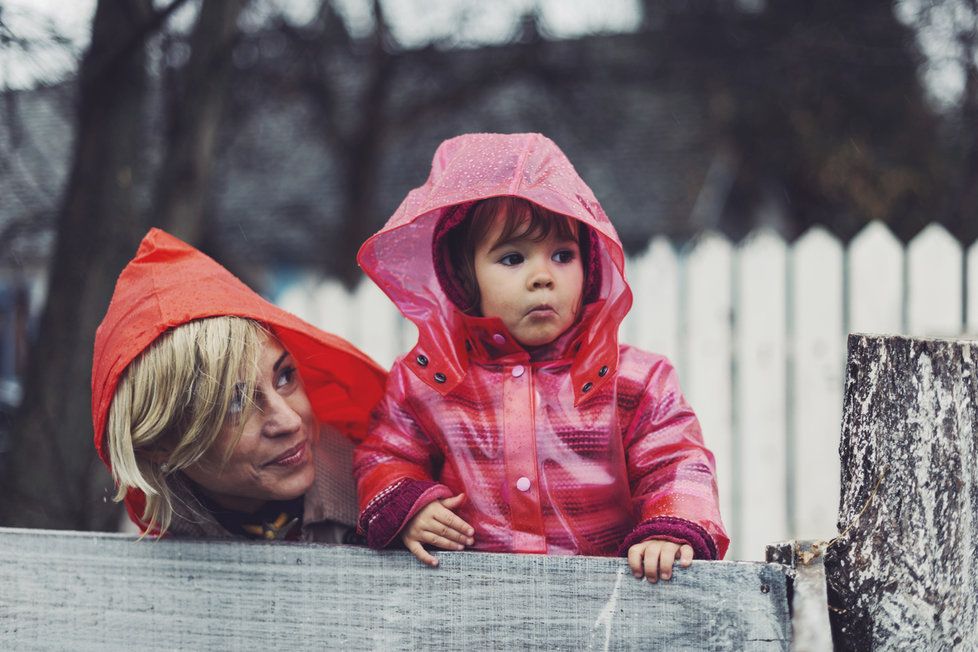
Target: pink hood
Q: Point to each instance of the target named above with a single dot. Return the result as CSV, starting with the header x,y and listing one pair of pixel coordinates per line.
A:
x,y
473,167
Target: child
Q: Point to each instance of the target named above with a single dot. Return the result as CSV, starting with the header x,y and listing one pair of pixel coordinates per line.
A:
x,y
518,423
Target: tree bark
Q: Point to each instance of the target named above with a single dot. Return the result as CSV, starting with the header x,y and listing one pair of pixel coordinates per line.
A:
x,y
197,105
53,478
902,573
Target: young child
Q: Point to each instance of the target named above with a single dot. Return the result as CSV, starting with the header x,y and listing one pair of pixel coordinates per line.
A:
x,y
518,423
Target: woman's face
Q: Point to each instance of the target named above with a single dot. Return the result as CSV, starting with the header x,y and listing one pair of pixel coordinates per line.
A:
x,y
272,459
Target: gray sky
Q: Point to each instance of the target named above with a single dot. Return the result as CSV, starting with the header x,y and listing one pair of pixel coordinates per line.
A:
x,y
414,23
417,22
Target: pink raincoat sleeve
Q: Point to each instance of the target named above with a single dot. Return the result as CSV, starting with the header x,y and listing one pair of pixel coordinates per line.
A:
x,y
394,466
671,472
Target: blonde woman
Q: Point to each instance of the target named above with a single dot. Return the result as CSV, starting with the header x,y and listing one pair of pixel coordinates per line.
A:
x,y
219,414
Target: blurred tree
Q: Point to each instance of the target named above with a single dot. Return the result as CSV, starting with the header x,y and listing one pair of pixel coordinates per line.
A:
x,y
52,477
363,92
951,27
820,107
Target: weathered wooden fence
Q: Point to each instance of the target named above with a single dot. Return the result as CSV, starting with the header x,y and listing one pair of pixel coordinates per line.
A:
x,y
85,591
757,331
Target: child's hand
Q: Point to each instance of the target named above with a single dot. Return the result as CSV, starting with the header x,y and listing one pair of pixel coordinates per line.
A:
x,y
655,558
437,525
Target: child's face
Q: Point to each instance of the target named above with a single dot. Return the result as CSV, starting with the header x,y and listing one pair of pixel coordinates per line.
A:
x,y
533,287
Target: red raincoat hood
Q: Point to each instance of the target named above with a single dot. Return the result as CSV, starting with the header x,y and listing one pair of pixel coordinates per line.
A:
x,y
170,283
470,168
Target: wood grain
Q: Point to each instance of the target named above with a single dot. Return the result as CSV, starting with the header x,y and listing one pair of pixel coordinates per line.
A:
x,y
104,591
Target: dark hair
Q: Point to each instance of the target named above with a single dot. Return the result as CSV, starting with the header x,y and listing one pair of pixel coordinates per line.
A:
x,y
522,220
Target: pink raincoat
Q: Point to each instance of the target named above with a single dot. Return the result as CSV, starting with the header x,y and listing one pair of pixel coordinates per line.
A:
x,y
583,447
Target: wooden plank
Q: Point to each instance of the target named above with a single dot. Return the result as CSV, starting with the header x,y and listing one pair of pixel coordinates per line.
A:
x,y
903,573
875,281
90,591
816,387
760,390
653,322
707,270
811,630
334,309
378,324
934,284
972,290
296,296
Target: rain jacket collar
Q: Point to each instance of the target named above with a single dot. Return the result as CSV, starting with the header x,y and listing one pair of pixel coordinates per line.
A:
x,y
469,168
170,283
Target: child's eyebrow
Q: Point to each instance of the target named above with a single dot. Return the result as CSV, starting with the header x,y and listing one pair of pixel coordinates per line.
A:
x,y
511,241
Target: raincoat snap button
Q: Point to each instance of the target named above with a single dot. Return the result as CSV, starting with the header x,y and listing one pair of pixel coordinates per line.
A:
x,y
587,387
523,484
422,360
603,372
499,338
518,371
440,377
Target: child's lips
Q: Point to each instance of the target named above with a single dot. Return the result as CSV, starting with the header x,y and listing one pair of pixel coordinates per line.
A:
x,y
541,311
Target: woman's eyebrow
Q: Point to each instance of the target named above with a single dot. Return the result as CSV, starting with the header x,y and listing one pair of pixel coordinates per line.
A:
x,y
278,362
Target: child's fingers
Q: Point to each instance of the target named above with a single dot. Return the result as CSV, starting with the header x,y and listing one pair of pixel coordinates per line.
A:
x,y
434,539
667,557
651,561
454,502
635,559
418,551
685,555
458,529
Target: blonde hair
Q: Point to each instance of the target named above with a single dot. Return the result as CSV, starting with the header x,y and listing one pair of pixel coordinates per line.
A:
x,y
173,401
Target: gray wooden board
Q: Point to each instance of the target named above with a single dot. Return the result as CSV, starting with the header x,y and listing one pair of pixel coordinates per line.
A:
x,y
903,574
810,627
102,591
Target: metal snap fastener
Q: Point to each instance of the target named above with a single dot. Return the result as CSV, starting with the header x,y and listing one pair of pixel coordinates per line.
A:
x,y
422,360
518,370
587,387
604,371
440,377
499,338
523,484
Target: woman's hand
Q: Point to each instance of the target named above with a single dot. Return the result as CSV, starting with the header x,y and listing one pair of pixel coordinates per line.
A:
x,y
654,558
437,525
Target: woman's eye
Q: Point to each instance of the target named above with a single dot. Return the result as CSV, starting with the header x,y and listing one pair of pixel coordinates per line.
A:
x,y
285,377
237,399
511,259
564,256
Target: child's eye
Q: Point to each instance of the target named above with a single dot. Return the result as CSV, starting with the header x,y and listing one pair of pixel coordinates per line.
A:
x,y
564,256
511,259
286,376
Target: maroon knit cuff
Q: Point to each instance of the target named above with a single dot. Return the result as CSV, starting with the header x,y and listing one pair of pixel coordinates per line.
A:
x,y
673,529
390,510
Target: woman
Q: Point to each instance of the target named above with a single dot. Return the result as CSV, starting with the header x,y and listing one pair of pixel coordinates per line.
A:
x,y
219,414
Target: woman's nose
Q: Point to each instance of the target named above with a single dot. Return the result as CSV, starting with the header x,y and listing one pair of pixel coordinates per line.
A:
x,y
280,418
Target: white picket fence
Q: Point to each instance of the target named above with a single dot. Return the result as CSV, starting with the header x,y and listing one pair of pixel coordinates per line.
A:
x,y
757,331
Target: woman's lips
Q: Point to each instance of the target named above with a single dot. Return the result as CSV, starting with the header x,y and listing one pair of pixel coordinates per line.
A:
x,y
292,457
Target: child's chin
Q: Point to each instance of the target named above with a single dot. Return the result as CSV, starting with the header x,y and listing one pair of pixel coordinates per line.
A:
x,y
536,339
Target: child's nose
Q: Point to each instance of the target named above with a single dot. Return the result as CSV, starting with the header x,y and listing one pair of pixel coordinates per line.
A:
x,y
541,278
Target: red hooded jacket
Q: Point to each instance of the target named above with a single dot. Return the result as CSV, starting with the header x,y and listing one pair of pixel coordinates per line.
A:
x,y
170,283
583,447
